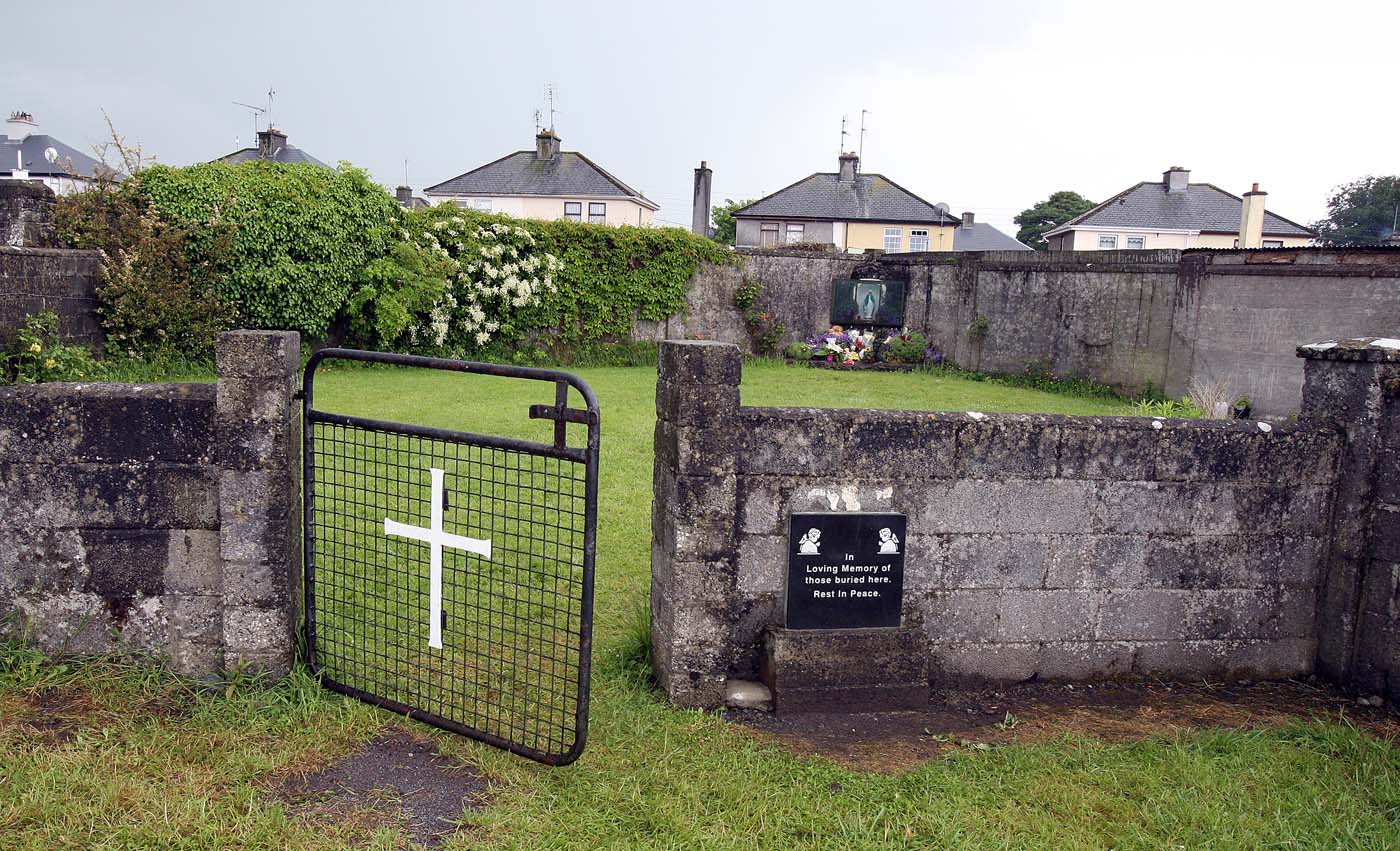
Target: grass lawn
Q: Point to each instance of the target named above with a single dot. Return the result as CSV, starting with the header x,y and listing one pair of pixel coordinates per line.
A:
x,y
123,757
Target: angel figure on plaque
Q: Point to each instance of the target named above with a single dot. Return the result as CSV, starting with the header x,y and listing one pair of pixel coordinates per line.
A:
x,y
889,542
807,544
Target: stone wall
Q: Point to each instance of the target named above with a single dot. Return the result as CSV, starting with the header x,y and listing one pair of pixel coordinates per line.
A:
x,y
157,519
1038,546
26,214
33,280
1352,388
1124,318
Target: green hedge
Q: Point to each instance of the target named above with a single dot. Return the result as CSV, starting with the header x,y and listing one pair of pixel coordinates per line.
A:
x,y
302,234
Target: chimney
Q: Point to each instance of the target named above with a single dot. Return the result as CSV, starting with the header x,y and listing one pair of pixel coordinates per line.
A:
x,y
967,219
1252,218
1175,179
20,126
546,145
269,142
404,195
850,164
700,203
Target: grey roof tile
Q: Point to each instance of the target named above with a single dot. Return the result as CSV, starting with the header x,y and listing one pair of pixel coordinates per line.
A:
x,y
523,173
280,154
70,162
871,197
983,237
1203,207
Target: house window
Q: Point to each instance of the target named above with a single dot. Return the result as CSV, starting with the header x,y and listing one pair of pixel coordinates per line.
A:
x,y
768,235
573,210
1137,242
1107,243
597,213
482,204
894,239
918,240
794,234
1272,243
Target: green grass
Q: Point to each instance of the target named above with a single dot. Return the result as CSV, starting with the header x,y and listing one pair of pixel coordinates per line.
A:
x,y
164,766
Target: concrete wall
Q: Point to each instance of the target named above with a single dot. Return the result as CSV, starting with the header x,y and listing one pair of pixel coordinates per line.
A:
x,y
1352,388
1125,318
26,214
33,280
157,519
1038,546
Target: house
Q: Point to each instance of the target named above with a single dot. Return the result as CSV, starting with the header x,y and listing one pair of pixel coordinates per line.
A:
x,y
27,154
272,147
853,211
1176,213
973,235
547,183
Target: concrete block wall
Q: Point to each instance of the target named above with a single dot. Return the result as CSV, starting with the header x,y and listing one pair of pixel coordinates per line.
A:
x,y
1352,388
26,214
157,519
1038,546
33,280
1123,318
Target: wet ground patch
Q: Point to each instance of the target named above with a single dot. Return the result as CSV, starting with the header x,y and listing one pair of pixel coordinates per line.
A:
x,y
1027,713
397,779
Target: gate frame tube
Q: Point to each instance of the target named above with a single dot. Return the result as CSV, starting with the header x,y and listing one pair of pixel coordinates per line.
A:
x,y
588,456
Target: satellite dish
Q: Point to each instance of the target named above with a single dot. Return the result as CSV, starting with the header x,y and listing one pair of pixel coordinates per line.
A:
x,y
941,207
51,154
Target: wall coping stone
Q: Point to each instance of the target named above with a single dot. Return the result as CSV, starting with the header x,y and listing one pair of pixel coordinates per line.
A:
x,y
1359,349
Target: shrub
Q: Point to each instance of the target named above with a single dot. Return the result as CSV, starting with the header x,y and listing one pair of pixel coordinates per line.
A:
x,y
301,235
908,347
521,282
159,280
39,354
798,351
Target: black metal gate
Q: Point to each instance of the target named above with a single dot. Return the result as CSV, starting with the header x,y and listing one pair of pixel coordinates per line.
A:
x,y
449,575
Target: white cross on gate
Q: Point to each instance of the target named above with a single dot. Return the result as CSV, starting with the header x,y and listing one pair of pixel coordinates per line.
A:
x,y
436,539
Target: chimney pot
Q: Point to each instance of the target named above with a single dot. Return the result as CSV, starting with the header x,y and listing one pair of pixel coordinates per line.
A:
x,y
21,125
967,219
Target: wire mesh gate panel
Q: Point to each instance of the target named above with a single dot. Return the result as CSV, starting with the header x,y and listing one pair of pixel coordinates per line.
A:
x,y
449,575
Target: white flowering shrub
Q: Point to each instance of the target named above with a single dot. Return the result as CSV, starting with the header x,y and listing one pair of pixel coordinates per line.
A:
x,y
496,271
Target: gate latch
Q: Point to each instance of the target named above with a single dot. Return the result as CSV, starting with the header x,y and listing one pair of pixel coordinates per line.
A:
x,y
558,413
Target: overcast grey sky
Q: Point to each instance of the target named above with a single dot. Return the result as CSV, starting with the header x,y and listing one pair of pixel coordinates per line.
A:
x,y
989,107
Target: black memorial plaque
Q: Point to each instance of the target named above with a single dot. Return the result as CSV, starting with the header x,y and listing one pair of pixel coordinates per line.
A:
x,y
845,570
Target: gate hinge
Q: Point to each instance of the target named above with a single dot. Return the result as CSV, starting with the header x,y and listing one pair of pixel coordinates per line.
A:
x,y
299,395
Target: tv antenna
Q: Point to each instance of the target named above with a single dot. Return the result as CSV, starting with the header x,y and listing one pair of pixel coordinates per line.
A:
x,y
256,110
259,110
844,134
861,152
549,97
538,128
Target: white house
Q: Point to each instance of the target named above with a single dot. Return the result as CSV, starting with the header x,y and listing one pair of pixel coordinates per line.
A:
x,y
1176,213
547,183
27,154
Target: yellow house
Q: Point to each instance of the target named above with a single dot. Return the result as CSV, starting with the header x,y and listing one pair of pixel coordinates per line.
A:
x,y
547,183
849,210
1176,213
